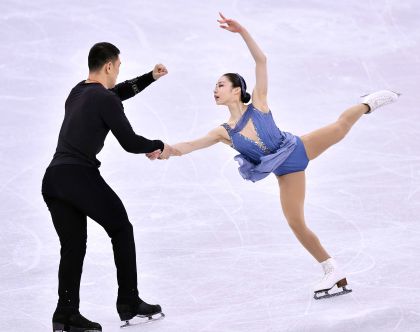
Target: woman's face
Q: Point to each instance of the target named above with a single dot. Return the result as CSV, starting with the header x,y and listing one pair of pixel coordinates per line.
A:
x,y
224,93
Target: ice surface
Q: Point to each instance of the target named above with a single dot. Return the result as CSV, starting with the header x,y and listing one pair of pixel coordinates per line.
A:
x,y
213,250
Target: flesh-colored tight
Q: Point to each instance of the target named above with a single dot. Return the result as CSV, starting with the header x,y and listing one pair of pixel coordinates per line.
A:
x,y
292,186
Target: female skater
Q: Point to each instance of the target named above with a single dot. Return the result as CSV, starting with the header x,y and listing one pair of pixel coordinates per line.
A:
x,y
265,149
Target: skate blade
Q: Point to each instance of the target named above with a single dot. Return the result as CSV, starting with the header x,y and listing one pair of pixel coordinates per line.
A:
x,y
397,93
142,319
58,327
324,294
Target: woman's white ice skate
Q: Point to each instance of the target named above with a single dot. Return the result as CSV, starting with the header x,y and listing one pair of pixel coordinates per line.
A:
x,y
379,99
332,281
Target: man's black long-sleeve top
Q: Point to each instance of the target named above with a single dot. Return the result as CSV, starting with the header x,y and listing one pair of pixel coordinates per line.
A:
x,y
91,111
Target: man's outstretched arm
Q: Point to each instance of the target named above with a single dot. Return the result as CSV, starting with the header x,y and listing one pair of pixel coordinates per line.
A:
x,y
130,88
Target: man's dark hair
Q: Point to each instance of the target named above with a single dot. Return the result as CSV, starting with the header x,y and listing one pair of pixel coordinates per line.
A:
x,y
100,54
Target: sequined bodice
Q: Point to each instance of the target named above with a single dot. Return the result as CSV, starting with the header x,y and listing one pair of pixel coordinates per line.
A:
x,y
270,137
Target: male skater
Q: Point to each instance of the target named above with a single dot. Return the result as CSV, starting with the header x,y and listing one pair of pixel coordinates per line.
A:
x,y
73,188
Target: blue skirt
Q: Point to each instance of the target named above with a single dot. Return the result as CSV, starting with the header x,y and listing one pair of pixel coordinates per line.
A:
x,y
296,162
290,157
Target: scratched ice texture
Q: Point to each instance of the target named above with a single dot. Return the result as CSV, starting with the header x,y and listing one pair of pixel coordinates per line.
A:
x,y
213,250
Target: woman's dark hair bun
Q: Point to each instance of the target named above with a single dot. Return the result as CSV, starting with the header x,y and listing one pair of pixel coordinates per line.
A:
x,y
245,99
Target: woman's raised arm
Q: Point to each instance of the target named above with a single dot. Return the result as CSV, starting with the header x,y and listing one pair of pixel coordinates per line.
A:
x,y
259,94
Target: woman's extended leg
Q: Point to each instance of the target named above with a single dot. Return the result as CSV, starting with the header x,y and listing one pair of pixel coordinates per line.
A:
x,y
292,196
321,139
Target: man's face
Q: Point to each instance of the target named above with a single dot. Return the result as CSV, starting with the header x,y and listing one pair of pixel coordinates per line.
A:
x,y
113,69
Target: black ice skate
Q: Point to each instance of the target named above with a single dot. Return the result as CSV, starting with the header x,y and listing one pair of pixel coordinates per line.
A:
x,y
63,322
139,313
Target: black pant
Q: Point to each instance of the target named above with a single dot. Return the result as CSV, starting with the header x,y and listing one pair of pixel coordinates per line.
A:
x,y
72,193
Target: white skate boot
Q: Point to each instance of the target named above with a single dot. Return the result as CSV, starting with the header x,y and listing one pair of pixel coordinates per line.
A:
x,y
379,98
332,277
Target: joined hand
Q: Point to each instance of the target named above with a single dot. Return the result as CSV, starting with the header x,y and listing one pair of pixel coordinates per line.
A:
x,y
168,151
